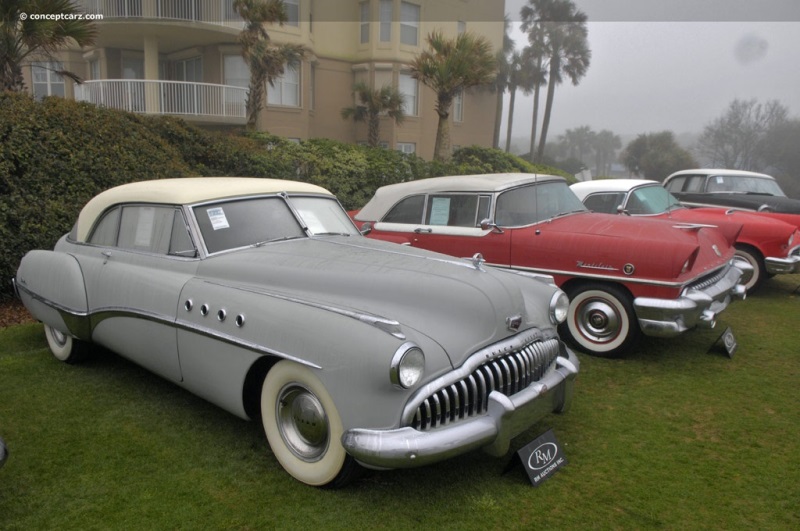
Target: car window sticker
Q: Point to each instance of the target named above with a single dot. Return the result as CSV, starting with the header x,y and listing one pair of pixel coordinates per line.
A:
x,y
144,227
217,217
440,211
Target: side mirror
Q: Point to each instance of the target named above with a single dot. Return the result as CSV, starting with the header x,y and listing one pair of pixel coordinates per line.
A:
x,y
621,210
487,224
366,228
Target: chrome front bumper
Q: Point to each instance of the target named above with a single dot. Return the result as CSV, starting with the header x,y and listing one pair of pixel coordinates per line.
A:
x,y
694,308
507,417
783,266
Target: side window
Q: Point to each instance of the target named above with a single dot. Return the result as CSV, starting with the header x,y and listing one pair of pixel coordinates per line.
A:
x,y
694,183
409,210
180,243
456,210
146,228
604,203
105,232
676,184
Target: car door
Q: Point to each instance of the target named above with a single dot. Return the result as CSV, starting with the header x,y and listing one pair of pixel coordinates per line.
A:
x,y
138,259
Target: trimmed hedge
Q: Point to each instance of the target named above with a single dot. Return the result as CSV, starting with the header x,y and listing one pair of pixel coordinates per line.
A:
x,y
57,154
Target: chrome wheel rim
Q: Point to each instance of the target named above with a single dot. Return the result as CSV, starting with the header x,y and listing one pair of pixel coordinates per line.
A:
x,y
599,321
302,422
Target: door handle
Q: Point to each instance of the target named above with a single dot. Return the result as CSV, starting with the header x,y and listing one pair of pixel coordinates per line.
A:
x,y
420,229
106,256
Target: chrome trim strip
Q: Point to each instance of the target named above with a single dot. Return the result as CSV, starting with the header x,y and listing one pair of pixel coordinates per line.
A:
x,y
99,315
390,326
602,277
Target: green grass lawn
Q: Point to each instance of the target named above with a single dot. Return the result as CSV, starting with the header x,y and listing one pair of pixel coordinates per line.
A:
x,y
675,436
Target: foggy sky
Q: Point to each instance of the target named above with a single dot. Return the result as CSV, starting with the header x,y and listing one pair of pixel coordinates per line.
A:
x,y
654,69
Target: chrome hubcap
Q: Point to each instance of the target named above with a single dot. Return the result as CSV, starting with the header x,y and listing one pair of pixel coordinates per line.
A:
x,y
599,321
59,337
302,422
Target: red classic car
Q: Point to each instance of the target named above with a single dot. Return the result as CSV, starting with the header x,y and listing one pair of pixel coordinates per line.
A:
x,y
742,190
624,276
769,245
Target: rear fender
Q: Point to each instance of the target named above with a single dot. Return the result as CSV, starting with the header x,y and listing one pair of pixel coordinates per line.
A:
x,y
51,286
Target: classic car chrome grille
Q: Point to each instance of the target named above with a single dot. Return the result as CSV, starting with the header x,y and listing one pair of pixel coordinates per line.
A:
x,y
710,279
508,374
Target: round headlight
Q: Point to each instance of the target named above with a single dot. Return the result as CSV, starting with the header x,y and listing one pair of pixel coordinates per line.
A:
x,y
408,366
559,306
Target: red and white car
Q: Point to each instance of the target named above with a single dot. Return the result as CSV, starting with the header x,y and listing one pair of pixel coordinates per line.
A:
x,y
769,245
625,277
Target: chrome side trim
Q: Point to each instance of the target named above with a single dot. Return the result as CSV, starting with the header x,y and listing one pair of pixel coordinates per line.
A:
x,y
677,285
390,326
81,325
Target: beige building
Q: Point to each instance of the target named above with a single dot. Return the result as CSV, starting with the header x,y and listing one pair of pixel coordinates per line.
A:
x,y
180,57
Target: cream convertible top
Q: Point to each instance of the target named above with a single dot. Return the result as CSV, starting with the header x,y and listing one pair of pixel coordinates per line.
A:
x,y
185,191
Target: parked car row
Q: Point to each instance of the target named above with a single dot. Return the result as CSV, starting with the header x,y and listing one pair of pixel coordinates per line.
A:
x,y
263,297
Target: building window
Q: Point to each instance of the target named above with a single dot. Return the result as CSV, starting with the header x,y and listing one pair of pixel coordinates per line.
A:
x,y
285,90
189,70
364,9
409,23
458,107
409,88
292,12
236,71
45,80
386,20
312,88
462,27
406,147
94,69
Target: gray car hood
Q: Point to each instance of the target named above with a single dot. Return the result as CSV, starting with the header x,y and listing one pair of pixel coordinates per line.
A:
x,y
457,305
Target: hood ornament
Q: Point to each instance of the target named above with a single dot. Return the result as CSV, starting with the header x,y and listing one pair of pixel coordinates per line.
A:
x,y
478,261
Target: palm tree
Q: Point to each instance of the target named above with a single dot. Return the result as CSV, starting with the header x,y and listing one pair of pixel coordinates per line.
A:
x,y
519,78
579,142
23,39
558,29
386,101
266,61
605,145
449,66
536,59
500,85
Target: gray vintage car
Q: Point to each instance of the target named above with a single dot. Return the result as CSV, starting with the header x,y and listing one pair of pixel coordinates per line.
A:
x,y
262,297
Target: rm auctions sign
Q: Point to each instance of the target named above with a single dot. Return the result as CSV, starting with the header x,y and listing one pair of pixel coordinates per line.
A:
x,y
542,458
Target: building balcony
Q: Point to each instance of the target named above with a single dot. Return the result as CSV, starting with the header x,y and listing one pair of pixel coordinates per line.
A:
x,y
204,103
217,12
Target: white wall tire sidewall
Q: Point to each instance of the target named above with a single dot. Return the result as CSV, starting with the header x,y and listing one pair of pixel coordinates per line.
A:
x,y
62,352
748,257
324,470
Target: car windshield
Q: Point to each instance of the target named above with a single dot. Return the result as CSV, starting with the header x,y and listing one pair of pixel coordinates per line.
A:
x,y
533,203
240,223
743,184
650,200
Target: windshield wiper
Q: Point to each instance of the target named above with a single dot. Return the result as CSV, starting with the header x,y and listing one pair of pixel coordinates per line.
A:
x,y
568,212
332,234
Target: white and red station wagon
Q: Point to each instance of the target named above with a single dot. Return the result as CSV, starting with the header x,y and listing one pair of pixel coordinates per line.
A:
x,y
625,277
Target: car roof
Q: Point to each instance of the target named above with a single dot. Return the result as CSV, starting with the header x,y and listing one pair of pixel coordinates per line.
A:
x,y
583,189
720,171
387,196
183,191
